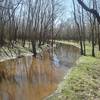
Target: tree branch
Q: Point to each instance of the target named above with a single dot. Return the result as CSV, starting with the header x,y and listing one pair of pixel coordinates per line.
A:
x,y
93,11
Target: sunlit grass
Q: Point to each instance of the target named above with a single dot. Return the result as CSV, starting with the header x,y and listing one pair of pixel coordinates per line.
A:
x,y
68,42
83,81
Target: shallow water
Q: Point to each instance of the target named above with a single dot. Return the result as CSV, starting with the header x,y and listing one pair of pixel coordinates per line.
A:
x,y
28,78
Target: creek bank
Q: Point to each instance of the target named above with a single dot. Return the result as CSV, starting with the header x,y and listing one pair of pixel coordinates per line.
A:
x,y
18,52
68,43
82,82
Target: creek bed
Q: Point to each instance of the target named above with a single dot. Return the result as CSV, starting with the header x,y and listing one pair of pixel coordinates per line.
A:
x,y
29,78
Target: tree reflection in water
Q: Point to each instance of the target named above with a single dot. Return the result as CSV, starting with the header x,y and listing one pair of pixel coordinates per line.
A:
x,y
29,78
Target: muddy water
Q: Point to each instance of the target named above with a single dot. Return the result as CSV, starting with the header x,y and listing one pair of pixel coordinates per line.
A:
x,y
28,78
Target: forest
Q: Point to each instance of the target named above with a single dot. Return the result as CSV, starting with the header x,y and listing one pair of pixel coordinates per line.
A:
x,y
33,21
42,45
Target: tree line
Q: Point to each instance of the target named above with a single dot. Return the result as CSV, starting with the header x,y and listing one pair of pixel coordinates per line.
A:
x,y
93,21
84,24
32,21
27,21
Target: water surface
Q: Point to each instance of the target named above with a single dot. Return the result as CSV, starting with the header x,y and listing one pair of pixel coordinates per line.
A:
x,y
29,78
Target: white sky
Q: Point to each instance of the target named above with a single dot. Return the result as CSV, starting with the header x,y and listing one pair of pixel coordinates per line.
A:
x,y
68,8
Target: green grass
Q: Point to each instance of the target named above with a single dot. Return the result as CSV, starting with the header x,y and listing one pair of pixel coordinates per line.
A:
x,y
83,81
68,42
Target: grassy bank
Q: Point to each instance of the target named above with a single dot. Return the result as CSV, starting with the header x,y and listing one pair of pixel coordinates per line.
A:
x,y
82,82
18,51
10,53
68,43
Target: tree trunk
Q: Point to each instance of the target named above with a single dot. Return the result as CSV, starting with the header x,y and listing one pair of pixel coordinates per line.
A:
x,y
34,48
98,37
93,44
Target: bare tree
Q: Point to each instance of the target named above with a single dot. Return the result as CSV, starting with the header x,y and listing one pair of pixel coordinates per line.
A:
x,y
78,28
93,11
